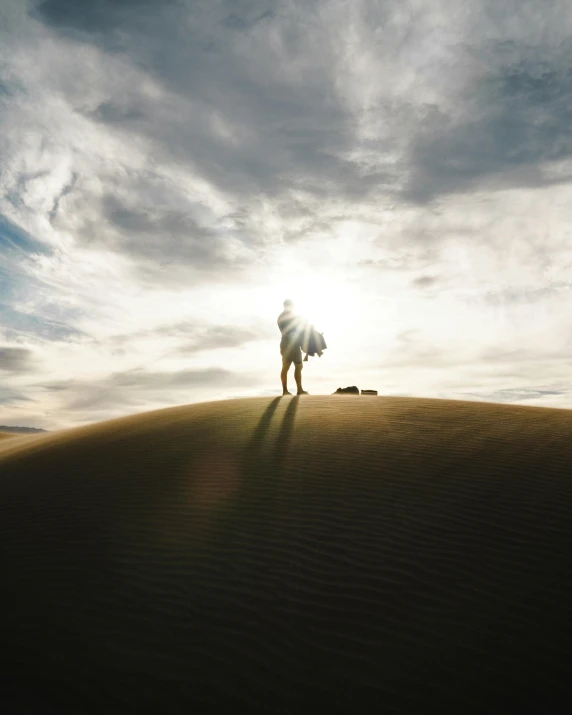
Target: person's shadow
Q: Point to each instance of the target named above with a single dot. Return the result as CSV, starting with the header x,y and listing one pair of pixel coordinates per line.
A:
x,y
285,434
256,464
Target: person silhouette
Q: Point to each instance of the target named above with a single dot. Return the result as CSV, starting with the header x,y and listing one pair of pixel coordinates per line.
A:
x,y
292,330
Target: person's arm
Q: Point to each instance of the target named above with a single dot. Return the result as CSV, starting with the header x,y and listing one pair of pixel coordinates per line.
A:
x,y
301,324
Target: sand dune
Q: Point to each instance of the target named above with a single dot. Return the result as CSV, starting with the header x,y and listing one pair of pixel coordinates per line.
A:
x,y
291,555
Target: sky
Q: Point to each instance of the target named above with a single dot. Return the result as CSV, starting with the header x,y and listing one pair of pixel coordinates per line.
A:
x,y
171,171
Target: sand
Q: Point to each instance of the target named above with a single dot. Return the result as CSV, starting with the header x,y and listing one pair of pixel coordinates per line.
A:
x,y
314,554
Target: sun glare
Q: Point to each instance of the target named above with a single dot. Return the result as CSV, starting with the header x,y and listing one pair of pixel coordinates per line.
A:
x,y
329,303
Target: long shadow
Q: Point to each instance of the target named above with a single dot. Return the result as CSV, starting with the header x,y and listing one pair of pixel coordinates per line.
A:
x,y
285,435
258,514
248,516
255,465
254,447
275,466
246,542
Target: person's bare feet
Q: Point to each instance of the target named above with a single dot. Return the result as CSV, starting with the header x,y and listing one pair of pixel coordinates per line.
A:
x,y
302,392
286,393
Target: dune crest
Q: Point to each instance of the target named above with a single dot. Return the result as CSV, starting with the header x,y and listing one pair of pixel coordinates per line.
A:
x,y
5,435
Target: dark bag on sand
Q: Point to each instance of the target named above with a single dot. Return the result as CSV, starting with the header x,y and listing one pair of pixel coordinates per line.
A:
x,y
353,390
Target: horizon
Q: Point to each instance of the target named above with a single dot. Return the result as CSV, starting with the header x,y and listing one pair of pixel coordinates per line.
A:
x,y
172,172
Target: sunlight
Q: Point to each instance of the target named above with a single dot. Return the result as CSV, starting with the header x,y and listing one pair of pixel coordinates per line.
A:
x,y
328,301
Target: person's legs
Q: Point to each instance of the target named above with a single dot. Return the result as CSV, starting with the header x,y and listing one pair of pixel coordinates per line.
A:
x,y
284,376
298,378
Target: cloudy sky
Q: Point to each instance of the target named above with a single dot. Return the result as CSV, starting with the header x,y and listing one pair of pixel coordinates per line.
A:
x,y
171,170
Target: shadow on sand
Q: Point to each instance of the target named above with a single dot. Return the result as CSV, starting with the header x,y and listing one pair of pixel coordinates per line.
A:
x,y
258,462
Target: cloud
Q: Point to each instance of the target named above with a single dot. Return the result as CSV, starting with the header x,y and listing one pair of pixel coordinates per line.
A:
x,y
244,92
17,324
111,112
27,306
17,249
426,356
425,281
141,388
92,16
16,360
66,189
525,294
10,396
166,236
218,337
259,98
516,355
415,258
511,123
199,335
14,241
516,395
167,380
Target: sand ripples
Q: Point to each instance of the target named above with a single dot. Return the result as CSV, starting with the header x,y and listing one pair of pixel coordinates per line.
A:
x,y
293,555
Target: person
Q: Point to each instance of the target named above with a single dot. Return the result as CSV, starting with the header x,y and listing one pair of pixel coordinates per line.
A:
x,y
292,330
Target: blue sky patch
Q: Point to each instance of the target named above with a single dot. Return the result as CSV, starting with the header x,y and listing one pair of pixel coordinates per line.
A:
x,y
14,240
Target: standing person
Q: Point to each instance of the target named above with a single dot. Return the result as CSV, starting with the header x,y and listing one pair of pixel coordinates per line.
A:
x,y
292,329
